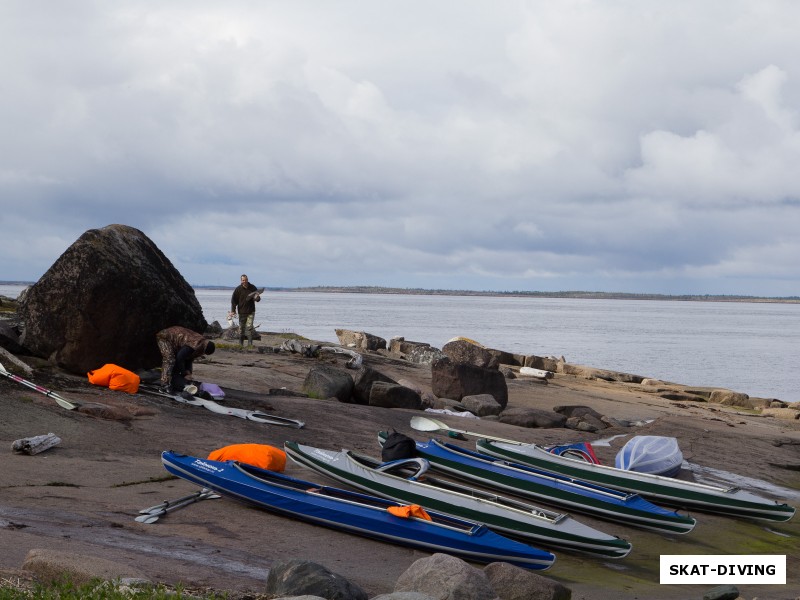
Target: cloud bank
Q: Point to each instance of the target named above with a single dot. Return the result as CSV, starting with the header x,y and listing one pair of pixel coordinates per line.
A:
x,y
628,146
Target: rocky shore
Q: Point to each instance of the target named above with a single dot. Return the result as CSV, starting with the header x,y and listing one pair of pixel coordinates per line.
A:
x,y
70,509
80,498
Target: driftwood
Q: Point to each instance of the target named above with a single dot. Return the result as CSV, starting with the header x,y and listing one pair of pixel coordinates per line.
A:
x,y
6,354
538,373
35,444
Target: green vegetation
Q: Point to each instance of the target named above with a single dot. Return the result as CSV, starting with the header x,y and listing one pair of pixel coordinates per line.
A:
x,y
95,590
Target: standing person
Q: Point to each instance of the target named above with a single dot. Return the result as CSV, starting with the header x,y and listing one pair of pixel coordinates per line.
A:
x,y
244,300
179,347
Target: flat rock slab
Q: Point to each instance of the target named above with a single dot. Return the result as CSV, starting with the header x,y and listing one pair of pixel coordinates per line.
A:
x,y
55,565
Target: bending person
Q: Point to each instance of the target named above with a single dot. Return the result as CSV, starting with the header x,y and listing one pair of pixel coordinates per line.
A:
x,y
179,347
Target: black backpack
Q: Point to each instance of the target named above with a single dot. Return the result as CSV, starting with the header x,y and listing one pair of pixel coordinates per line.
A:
x,y
397,446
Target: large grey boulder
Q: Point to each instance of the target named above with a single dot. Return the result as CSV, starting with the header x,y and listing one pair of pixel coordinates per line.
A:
x,y
576,410
532,417
9,338
462,351
454,381
326,381
729,398
363,380
582,418
360,340
513,583
481,405
304,578
545,363
104,300
392,395
444,577
414,352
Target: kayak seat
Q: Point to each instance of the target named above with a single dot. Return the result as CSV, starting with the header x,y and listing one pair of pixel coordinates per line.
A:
x,y
418,466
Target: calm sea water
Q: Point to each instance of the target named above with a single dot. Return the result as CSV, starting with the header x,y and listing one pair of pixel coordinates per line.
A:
x,y
747,347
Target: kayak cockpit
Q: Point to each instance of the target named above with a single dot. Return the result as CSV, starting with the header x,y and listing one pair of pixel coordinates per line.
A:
x,y
417,467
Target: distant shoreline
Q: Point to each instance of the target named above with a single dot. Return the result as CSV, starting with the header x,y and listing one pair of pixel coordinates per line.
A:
x,y
522,294
359,289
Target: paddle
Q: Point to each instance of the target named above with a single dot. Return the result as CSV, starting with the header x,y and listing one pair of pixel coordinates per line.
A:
x,y
166,503
62,402
427,424
154,516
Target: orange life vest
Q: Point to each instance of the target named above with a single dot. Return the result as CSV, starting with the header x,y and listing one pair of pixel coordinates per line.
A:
x,y
259,455
115,378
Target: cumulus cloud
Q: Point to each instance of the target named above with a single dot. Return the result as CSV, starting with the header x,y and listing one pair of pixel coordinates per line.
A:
x,y
579,145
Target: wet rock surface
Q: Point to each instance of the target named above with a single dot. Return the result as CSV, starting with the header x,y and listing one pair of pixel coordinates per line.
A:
x,y
83,495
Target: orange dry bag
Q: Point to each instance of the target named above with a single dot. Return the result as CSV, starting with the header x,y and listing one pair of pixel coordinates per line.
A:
x,y
115,377
259,455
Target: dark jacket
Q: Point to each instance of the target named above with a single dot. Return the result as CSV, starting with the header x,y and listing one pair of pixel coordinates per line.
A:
x,y
240,301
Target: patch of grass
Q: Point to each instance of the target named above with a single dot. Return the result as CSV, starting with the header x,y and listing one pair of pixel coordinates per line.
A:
x,y
96,590
290,335
227,346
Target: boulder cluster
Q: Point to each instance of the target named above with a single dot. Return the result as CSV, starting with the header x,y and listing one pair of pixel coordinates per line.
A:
x,y
108,294
467,376
436,577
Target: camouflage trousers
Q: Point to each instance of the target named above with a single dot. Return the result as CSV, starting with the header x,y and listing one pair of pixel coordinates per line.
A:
x,y
246,328
167,361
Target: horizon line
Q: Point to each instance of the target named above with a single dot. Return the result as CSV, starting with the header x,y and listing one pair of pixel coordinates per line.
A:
x,y
461,292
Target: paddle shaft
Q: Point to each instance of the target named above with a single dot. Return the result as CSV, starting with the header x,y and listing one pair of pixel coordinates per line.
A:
x,y
156,515
51,394
166,503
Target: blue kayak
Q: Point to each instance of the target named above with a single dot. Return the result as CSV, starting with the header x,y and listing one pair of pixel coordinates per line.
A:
x,y
551,488
354,512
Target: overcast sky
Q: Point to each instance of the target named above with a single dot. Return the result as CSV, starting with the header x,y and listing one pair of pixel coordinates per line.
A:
x,y
631,146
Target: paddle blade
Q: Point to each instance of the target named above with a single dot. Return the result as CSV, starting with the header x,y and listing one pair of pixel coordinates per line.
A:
x,y
426,424
64,403
148,519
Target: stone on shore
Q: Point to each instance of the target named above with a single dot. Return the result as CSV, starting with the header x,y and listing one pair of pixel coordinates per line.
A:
x,y
363,381
327,381
55,565
291,578
513,583
104,300
360,340
532,417
457,380
392,395
442,576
